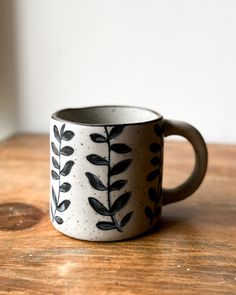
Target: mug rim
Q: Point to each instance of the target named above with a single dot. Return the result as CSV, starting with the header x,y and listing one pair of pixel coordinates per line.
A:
x,y
56,116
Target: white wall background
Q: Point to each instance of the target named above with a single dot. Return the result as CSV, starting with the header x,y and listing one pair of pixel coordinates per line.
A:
x,y
177,57
8,103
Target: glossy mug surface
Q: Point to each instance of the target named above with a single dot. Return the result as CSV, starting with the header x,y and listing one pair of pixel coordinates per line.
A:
x,y
106,170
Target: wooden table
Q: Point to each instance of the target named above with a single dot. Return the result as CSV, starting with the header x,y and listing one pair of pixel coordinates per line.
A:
x,y
193,252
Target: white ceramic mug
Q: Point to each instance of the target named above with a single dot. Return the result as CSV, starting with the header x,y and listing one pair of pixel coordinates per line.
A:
x,y
106,170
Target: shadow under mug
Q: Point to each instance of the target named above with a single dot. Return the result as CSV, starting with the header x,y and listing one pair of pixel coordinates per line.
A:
x,y
106,170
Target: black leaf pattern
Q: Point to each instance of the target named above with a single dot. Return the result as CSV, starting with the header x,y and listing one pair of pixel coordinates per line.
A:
x,y
67,168
98,138
99,207
120,202
120,148
67,135
95,182
55,163
51,210
156,161
126,219
67,151
56,133
54,197
62,129
96,160
65,186
148,212
63,205
54,149
55,176
116,131
120,167
58,219
155,147
118,185
154,194
105,225
153,174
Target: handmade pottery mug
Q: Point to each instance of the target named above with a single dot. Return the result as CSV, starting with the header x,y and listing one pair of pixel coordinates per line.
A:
x,y
106,170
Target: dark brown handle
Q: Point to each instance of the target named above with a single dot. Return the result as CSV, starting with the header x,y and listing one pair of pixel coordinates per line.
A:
x,y
193,182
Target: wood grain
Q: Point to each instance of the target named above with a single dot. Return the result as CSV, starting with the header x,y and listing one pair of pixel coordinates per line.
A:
x,y
192,252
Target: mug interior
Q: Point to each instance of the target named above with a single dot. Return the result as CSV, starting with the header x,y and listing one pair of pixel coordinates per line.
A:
x,y
107,115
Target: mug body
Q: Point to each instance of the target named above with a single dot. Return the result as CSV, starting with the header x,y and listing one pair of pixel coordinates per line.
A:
x,y
106,171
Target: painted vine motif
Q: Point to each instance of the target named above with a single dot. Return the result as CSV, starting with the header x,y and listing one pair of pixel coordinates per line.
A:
x,y
154,194
96,183
58,171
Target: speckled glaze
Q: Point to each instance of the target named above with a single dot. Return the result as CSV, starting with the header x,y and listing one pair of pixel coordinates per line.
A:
x,y
106,178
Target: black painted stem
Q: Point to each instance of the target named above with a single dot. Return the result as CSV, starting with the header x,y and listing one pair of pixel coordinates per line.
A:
x,y
118,227
59,173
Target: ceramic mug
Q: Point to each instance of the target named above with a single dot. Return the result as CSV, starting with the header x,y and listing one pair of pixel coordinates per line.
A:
x,y
106,170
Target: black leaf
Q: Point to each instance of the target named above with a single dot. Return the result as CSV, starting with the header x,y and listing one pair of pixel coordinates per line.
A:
x,y
51,209
105,225
54,148
155,161
63,205
115,131
54,197
96,160
120,202
152,175
62,129
120,148
58,219
120,167
98,137
54,175
67,168
65,187
56,133
157,211
158,130
67,151
148,212
126,219
153,196
55,163
95,182
155,147
99,207
67,135
117,185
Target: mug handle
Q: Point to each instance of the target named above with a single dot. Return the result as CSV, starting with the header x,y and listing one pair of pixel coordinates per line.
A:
x,y
201,156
